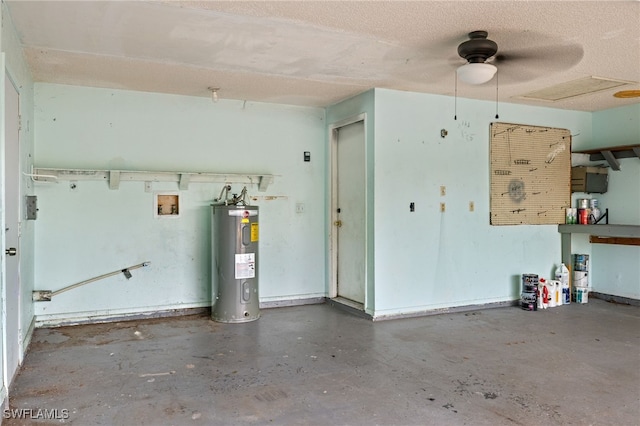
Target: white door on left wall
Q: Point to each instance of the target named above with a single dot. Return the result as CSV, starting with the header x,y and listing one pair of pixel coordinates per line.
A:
x,y
13,336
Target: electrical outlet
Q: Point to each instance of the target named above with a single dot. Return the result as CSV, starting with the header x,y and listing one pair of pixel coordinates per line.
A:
x,y
443,191
472,207
299,208
442,207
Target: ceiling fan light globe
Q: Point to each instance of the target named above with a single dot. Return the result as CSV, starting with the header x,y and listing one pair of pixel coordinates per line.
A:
x,y
476,73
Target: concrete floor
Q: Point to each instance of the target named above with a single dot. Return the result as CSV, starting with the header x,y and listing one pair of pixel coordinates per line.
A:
x,y
318,365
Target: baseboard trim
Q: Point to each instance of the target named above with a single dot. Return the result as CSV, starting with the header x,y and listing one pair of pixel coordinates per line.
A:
x,y
125,317
27,338
336,303
451,310
291,302
615,299
159,313
348,306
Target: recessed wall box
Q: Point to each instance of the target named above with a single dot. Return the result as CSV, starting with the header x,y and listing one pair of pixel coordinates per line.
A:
x,y
589,179
166,204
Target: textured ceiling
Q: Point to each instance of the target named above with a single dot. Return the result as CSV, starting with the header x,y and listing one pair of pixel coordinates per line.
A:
x,y
315,53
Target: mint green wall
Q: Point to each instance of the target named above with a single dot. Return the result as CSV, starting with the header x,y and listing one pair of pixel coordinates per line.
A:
x,y
416,261
615,126
430,260
93,230
347,110
615,268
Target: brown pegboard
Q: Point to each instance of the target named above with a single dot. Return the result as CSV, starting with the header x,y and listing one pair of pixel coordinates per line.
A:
x,y
530,174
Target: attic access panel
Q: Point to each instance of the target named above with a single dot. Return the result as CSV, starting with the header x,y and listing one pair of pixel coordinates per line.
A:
x,y
530,174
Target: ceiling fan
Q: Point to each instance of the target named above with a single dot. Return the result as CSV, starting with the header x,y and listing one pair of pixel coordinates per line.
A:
x,y
476,51
527,54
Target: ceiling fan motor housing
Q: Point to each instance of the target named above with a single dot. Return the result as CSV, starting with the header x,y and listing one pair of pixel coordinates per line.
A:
x,y
478,48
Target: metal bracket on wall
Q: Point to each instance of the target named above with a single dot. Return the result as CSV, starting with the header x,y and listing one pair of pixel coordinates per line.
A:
x,y
32,207
183,179
47,295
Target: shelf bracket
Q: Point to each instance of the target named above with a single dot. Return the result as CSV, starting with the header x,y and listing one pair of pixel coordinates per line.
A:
x,y
264,183
612,154
185,178
611,159
114,179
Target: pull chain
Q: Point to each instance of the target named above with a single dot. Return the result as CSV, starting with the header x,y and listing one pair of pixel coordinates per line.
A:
x,y
455,99
497,116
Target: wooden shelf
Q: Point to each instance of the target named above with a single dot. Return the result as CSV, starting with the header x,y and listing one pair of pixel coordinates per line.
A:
x,y
114,177
626,241
612,154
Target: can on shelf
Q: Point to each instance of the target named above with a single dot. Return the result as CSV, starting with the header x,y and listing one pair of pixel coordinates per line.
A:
x,y
583,216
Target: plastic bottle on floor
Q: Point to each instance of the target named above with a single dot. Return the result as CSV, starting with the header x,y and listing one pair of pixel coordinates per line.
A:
x,y
544,294
562,275
552,294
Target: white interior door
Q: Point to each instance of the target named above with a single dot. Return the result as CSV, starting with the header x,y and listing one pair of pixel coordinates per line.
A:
x,y
12,226
349,214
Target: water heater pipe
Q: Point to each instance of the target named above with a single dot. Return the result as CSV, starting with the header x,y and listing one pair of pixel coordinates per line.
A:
x,y
235,199
46,295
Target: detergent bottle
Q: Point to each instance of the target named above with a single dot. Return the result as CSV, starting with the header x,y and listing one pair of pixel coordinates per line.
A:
x,y
551,291
544,294
562,275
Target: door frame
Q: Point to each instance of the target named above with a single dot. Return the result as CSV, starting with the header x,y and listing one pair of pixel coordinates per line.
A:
x,y
9,340
333,201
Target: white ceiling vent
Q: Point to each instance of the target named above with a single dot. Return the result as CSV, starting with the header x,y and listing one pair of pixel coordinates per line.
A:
x,y
570,89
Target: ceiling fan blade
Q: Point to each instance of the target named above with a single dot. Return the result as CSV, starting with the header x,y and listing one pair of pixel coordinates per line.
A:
x,y
524,64
557,57
426,60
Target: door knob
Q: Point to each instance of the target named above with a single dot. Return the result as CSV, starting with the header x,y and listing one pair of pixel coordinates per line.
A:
x,y
11,251
338,223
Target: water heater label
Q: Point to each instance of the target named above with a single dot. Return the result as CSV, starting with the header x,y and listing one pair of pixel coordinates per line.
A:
x,y
254,232
243,213
245,266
